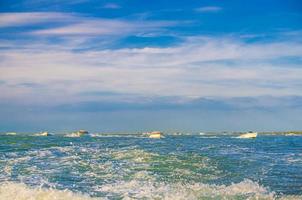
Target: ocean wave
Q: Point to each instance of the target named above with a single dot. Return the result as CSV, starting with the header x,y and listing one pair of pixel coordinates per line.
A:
x,y
11,133
19,191
208,137
125,169
135,155
116,135
135,189
72,135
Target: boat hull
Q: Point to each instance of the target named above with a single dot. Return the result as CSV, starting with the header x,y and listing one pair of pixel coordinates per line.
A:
x,y
155,136
248,135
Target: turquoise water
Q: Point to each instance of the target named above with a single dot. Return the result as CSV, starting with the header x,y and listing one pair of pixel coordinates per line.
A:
x,y
134,167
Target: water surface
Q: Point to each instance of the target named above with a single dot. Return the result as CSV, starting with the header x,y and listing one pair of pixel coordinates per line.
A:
x,y
132,167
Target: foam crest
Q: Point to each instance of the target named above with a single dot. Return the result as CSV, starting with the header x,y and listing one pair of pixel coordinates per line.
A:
x,y
137,189
135,155
177,191
19,191
72,135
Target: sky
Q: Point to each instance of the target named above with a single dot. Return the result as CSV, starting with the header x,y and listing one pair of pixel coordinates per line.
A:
x,y
132,65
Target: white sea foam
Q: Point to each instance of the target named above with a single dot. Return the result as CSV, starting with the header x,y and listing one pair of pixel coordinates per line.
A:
x,y
208,137
142,184
72,135
11,133
135,155
137,189
153,190
19,191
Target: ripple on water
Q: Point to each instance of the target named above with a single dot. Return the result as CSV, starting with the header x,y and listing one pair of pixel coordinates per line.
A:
x,y
112,168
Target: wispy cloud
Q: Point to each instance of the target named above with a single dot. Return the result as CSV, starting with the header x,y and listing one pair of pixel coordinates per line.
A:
x,y
83,56
64,24
208,9
111,6
199,67
88,27
28,18
44,3
104,27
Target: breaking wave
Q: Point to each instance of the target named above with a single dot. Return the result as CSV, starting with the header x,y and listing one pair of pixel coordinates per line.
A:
x,y
136,189
177,191
58,168
19,191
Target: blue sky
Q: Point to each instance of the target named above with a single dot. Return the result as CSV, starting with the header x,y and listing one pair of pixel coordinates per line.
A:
x,y
149,65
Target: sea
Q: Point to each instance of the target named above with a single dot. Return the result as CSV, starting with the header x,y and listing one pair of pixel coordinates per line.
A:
x,y
128,166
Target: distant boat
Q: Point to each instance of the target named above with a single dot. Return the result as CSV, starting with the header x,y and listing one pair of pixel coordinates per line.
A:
x,y
79,133
11,133
45,133
292,134
176,133
156,134
82,132
248,135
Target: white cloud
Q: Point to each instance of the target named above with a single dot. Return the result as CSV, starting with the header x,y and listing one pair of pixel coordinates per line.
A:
x,y
28,18
208,9
98,27
197,68
65,24
103,27
33,3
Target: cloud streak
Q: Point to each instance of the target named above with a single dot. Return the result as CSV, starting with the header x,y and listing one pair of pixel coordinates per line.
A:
x,y
66,24
111,6
29,18
197,68
103,27
192,70
208,9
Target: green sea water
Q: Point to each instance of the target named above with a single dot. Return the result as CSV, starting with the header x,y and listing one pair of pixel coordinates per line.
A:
x,y
133,167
